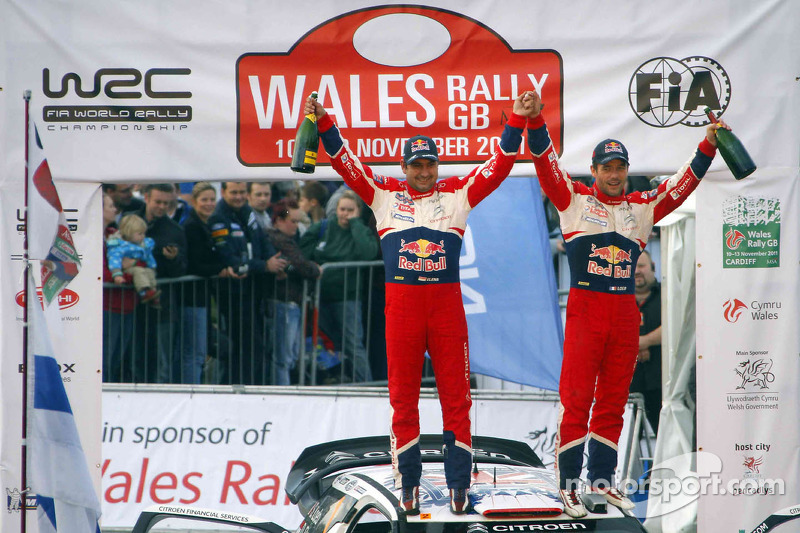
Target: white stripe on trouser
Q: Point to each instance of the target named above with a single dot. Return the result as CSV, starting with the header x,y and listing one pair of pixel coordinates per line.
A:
x,y
598,438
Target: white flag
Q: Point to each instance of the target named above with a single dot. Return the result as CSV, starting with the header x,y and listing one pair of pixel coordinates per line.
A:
x,y
59,474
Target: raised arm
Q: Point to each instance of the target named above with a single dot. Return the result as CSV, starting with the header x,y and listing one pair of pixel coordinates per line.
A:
x,y
356,175
672,192
488,176
555,181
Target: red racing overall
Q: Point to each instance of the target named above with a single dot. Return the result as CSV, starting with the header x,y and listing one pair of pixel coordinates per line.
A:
x,y
421,237
604,236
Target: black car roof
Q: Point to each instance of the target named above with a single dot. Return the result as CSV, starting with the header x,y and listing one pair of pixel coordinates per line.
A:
x,y
321,460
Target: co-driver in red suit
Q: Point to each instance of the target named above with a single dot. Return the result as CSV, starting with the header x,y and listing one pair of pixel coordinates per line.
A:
x,y
604,230
421,222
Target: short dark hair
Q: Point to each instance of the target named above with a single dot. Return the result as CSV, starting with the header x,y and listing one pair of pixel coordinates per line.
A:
x,y
251,183
314,190
280,209
109,187
163,187
224,184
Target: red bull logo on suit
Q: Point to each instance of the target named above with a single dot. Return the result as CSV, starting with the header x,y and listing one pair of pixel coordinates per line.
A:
x,y
423,249
612,255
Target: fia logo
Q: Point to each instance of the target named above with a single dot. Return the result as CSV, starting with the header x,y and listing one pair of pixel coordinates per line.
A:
x,y
665,91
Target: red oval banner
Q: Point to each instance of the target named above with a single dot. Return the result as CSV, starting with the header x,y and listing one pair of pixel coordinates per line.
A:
x,y
459,92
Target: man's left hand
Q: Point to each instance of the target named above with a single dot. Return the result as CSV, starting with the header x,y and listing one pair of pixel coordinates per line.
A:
x,y
711,131
170,252
528,104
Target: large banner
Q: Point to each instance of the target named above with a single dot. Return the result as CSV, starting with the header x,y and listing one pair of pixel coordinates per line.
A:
x,y
77,343
747,345
234,451
509,289
197,90
188,90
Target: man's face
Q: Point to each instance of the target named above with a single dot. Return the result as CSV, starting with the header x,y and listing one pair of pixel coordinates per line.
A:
x,y
421,174
109,210
260,196
644,277
235,194
157,203
122,195
610,177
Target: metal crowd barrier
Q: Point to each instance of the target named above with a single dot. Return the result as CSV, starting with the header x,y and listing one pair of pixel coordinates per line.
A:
x,y
219,331
350,348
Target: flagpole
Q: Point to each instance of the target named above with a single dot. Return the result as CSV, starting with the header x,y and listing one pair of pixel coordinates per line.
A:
x,y
23,524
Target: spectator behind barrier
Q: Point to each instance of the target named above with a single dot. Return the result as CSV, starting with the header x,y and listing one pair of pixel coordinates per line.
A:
x,y
178,209
118,306
313,196
124,200
343,237
259,197
157,332
244,247
203,261
130,243
285,306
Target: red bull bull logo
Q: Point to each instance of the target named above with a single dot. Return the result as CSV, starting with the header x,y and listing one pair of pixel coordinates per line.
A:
x,y
419,144
612,255
423,249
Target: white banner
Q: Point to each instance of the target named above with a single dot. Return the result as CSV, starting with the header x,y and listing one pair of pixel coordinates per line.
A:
x,y
77,346
747,345
196,90
234,451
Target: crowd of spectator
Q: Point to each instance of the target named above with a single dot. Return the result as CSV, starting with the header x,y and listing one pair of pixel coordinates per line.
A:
x,y
249,248
231,262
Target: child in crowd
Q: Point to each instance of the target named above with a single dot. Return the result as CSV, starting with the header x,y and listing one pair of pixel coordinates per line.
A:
x,y
130,242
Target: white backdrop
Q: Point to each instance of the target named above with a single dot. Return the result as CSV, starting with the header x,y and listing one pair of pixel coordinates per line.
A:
x,y
598,66
742,54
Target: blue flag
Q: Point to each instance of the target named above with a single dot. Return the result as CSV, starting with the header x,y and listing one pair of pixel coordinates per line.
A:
x,y
509,288
59,474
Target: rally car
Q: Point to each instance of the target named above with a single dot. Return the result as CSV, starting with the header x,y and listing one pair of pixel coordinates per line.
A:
x,y
347,486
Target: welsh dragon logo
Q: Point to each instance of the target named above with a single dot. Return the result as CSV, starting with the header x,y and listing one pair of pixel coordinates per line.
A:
x,y
756,372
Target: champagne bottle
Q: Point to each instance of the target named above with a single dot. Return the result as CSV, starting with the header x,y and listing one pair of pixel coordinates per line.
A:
x,y
306,144
732,150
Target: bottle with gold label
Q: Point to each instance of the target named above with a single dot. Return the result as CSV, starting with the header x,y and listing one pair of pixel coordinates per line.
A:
x,y
306,144
733,151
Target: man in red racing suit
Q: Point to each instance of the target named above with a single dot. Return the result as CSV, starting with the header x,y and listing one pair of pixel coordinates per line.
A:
x,y
421,222
604,230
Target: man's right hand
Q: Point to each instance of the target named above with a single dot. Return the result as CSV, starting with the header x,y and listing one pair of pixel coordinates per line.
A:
x,y
528,104
276,263
312,106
